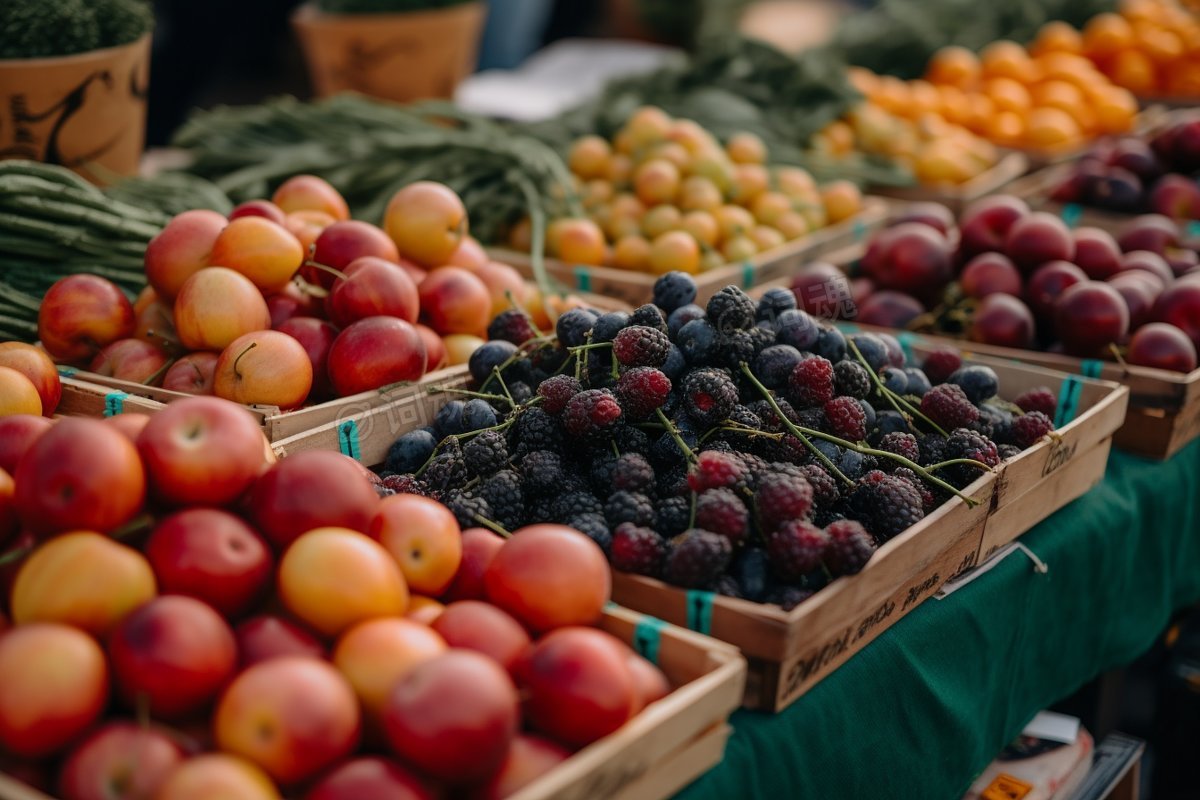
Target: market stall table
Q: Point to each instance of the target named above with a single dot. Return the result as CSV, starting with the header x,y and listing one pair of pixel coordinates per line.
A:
x,y
923,709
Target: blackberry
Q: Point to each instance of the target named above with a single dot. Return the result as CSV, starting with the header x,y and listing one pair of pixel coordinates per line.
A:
x,y
762,338
708,396
994,423
850,547
682,316
520,391
504,493
715,470
773,303
929,500
592,414
813,418
1007,451
697,340
964,443
847,418
541,509
649,315
884,504
406,484
512,325
665,450
637,549
824,517
489,356
831,344
811,382
410,452
673,290
780,499
468,509
486,453
824,486
573,326
774,365
1029,427
594,527
948,406
543,472
631,440
727,585
978,383
1038,399
609,325
851,378
940,364
796,549
902,444
933,449
788,597
641,390
537,430
572,504
918,383
640,346
873,350
696,557
798,329
750,569
477,415
626,506
721,511
730,309
673,516
736,347
556,391
632,473
446,471
745,417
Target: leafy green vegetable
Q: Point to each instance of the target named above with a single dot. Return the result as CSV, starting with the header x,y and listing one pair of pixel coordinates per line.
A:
x,y
44,28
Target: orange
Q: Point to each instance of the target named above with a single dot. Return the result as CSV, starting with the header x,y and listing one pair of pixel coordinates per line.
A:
x,y
1062,95
1056,37
1106,34
953,107
940,164
1163,46
923,97
953,66
1150,10
1115,109
1067,67
674,250
864,80
1007,59
1184,81
632,251
1008,95
893,95
1133,70
980,110
842,200
840,136
1006,128
1052,129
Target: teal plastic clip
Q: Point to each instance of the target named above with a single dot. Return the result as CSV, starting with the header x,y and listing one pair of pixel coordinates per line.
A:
x,y
699,611
114,403
646,638
583,278
66,372
747,274
1091,367
1193,228
859,231
348,439
1071,213
906,339
1068,401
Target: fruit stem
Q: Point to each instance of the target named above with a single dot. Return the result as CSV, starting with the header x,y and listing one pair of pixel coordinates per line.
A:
x,y
337,273
891,396
508,295
15,554
984,467
739,429
158,373
466,392
492,526
616,450
671,429
249,347
1116,351
796,431
504,386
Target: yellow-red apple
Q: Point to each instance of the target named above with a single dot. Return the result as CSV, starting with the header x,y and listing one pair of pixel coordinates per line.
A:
x,y
216,306
119,761
310,193
264,637
134,360
424,538
181,249
312,489
455,300
265,252
80,314
375,654
375,352
217,775
316,337
18,395
33,363
192,374
427,221
266,368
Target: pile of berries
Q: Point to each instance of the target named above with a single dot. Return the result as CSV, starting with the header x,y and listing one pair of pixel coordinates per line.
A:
x,y
742,447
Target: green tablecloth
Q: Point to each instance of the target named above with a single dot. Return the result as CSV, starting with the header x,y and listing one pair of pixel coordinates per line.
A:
x,y
923,709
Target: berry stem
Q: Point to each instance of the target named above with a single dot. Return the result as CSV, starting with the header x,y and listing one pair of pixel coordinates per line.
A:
x,y
491,526
512,301
893,398
504,386
972,462
616,450
467,392
671,429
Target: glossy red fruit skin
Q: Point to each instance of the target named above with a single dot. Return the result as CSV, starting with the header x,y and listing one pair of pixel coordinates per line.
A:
x,y
372,287
989,273
375,352
1162,346
1096,253
1003,320
1149,263
911,258
1179,305
889,309
1049,282
1089,317
986,223
1037,239
1139,290
312,489
371,778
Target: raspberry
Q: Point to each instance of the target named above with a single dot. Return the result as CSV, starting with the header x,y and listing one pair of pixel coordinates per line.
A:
x,y
632,507
850,547
964,443
851,378
780,499
716,470
1038,399
1029,427
512,325
543,472
884,504
730,309
721,511
796,549
572,504
466,507
811,382
674,290
708,396
406,484
641,390
940,364
673,516
696,558
633,473
846,418
640,346
948,406
504,494
637,550
486,453
650,316
592,414
557,391
824,486
902,444
537,430
594,527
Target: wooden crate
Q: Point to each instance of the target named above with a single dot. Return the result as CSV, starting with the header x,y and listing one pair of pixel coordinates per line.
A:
x,y
1010,167
636,288
654,755
82,398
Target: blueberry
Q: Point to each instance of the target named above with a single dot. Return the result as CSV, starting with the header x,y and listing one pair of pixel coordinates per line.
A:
x,y
798,329
831,344
828,449
572,327
851,464
698,341
410,452
888,421
774,365
674,290
477,414
608,325
682,316
895,379
918,382
488,356
773,303
977,382
895,352
873,350
449,419
665,449
750,570
868,413
675,365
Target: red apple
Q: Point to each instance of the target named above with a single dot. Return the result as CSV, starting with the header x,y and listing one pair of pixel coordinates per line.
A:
x,y
130,424
479,547
985,224
9,523
134,360
291,301
33,363
258,208
119,761
209,776
192,374
202,451
265,368
1037,239
1162,346
266,637
375,352
174,654
312,489
316,336
210,555
217,305
453,300
181,249
79,475
1096,253
372,287
371,778
453,717
81,314
475,625
529,758
436,355
17,433
344,242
